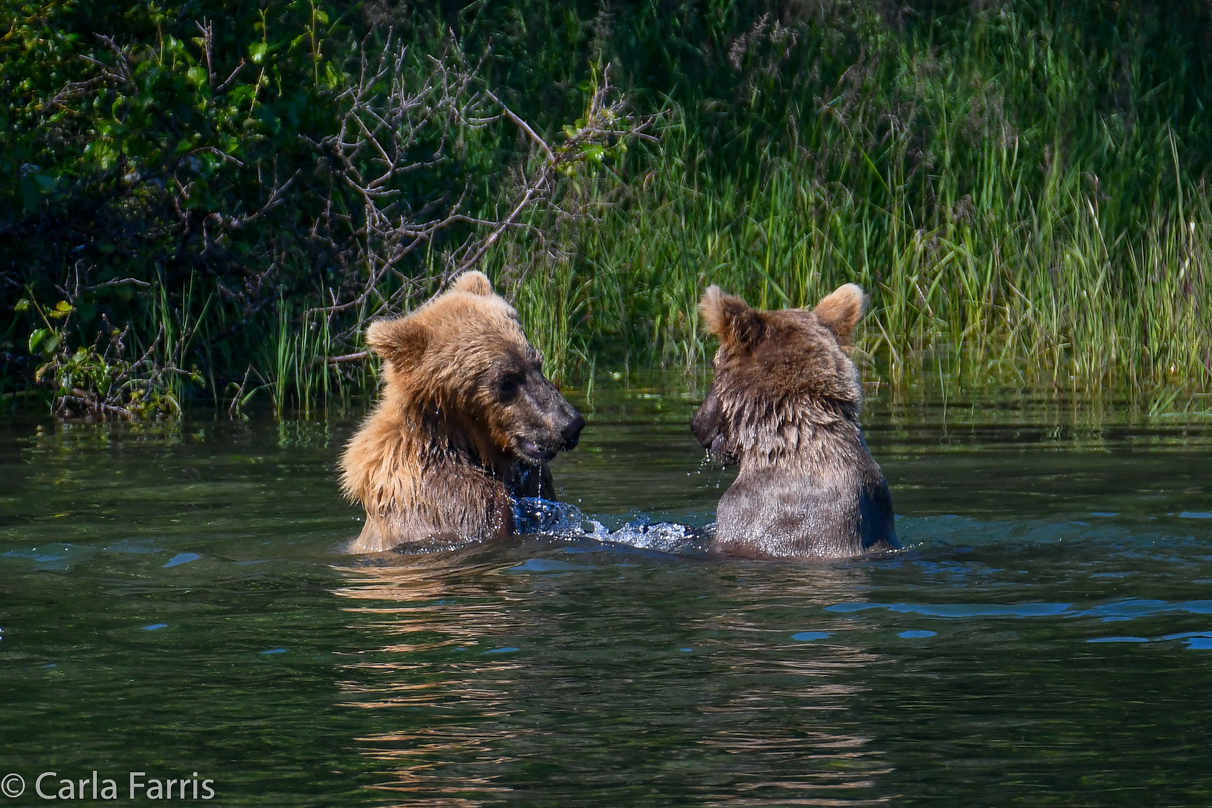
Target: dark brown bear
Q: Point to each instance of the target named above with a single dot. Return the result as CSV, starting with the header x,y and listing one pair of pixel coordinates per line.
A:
x,y
785,405
466,423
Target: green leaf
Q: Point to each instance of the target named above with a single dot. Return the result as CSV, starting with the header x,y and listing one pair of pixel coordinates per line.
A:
x,y
331,77
22,305
257,51
197,75
44,340
63,306
240,94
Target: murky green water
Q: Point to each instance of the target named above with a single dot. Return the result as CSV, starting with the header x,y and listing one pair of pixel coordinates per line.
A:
x,y
172,601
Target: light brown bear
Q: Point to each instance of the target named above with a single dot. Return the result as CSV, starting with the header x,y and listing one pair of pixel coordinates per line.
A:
x,y
785,405
466,423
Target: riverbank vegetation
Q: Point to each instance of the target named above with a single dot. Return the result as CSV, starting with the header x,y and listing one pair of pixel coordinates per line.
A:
x,y
208,200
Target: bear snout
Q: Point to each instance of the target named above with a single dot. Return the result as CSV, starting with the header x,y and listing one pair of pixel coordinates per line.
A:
x,y
708,422
572,431
552,425
710,429
705,433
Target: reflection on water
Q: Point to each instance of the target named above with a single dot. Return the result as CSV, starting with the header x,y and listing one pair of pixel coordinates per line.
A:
x,y
173,599
492,675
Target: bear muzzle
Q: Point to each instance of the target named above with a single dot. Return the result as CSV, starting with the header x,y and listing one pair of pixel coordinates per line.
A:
x,y
572,431
558,430
709,428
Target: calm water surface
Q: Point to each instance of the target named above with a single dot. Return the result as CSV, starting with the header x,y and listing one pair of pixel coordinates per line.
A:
x,y
173,600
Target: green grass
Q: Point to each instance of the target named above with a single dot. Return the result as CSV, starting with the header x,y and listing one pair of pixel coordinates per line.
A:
x,y
1059,289
1012,219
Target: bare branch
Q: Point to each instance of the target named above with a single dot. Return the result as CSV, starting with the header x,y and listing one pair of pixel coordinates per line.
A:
x,y
396,123
521,124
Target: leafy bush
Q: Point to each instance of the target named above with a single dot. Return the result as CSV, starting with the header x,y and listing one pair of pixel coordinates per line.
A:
x,y
238,160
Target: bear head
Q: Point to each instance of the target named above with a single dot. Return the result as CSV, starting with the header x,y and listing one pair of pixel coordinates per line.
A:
x,y
778,373
462,364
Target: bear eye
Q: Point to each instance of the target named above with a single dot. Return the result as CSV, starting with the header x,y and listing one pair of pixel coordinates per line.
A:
x,y
508,385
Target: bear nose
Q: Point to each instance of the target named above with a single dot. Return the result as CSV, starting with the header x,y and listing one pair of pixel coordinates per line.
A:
x,y
572,432
704,433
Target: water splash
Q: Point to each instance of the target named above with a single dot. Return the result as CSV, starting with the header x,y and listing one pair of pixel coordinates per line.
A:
x,y
537,515
709,463
564,520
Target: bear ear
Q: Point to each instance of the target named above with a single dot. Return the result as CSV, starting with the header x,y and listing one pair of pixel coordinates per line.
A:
x,y
474,282
841,310
401,341
731,319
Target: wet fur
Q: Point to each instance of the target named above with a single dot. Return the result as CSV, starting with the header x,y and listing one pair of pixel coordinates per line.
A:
x,y
466,423
785,405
